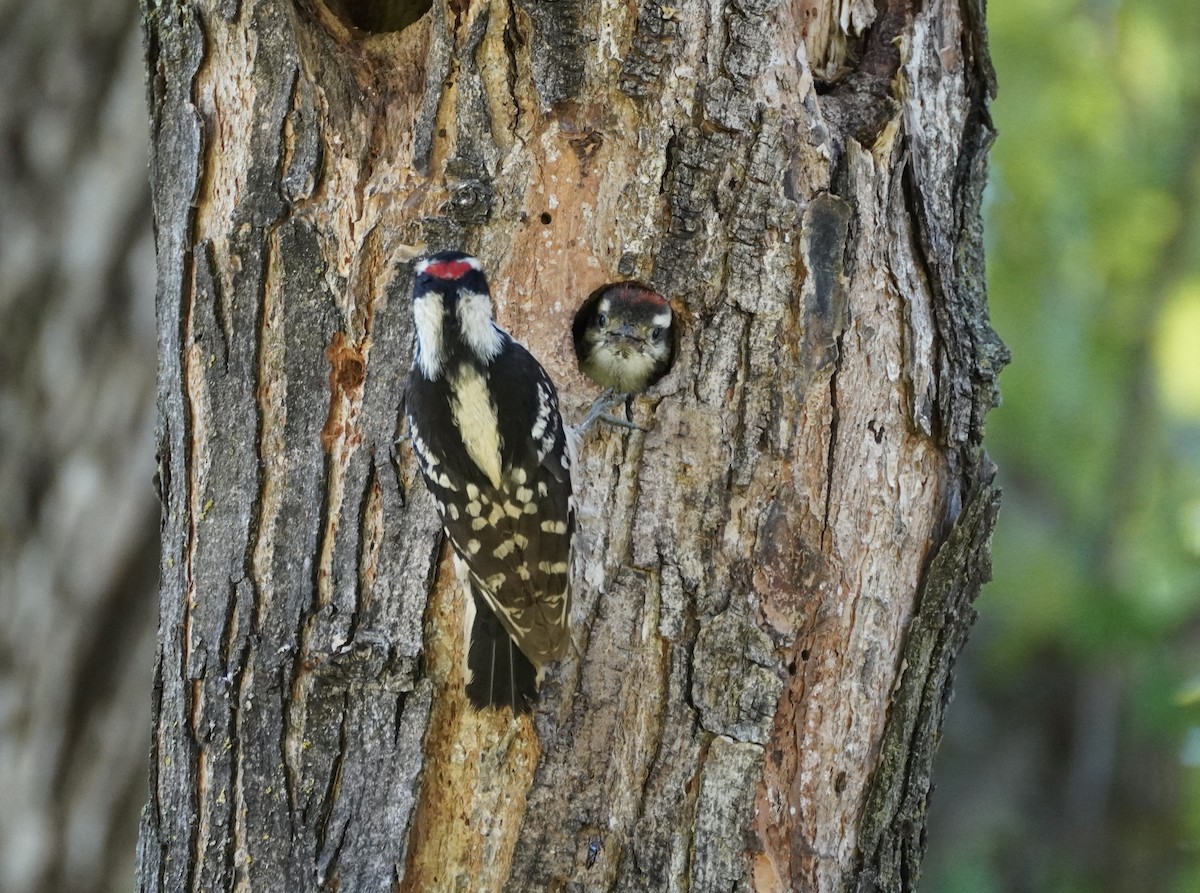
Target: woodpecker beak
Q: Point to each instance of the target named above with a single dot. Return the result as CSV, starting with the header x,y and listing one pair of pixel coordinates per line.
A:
x,y
626,333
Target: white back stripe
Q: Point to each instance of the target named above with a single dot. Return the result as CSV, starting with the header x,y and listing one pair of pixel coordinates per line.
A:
x,y
474,415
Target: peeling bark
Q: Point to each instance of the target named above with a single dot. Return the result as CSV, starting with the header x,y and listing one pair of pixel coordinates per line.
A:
x,y
773,581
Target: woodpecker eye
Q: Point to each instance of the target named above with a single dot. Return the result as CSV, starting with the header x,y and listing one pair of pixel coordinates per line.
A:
x,y
656,333
601,320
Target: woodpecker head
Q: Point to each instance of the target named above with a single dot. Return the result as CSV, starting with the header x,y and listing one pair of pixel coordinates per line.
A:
x,y
452,313
624,337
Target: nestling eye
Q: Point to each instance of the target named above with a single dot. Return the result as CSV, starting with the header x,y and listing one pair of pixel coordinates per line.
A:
x,y
601,320
656,333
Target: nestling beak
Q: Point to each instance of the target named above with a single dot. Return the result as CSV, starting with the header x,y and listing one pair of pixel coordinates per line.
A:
x,y
625,334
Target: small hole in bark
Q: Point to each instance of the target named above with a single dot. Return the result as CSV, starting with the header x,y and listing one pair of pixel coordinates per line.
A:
x,y
792,668
839,783
804,654
381,16
545,218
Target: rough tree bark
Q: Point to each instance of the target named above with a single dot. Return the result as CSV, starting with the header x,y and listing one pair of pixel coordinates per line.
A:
x,y
773,582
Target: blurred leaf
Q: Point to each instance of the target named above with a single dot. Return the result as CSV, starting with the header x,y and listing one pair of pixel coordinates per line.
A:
x,y
1177,351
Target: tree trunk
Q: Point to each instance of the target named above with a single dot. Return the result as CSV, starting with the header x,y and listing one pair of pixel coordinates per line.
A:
x,y
773,581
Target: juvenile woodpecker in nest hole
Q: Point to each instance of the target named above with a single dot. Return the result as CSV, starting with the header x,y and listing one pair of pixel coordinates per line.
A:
x,y
484,424
624,341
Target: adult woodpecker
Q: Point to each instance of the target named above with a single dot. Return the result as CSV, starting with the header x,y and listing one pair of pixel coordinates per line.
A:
x,y
484,424
624,341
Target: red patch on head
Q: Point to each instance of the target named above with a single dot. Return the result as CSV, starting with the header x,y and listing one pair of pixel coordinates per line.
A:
x,y
448,269
639,295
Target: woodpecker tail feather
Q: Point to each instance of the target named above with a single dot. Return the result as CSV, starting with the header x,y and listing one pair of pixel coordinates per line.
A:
x,y
501,675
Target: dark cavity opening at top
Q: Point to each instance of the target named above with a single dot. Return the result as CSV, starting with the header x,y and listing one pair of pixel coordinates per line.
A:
x,y
381,16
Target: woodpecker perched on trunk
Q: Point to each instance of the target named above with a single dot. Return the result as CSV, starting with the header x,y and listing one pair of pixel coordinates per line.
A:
x,y
484,424
624,341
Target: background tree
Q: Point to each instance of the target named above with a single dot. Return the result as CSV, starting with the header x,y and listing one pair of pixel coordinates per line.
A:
x,y
774,581
78,513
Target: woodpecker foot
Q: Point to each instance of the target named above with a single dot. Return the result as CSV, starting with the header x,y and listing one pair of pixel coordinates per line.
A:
x,y
599,412
620,423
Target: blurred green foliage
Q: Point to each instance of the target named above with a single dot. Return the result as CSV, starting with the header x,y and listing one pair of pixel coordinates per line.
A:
x,y
1071,761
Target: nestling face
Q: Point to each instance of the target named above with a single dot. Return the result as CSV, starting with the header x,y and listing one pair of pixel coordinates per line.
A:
x,y
629,343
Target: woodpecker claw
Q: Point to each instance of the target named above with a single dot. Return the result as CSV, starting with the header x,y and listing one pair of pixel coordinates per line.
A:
x,y
599,412
621,423
599,406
